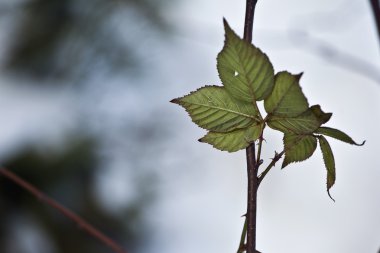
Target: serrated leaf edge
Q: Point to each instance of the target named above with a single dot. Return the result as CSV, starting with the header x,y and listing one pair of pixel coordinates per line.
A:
x,y
283,162
252,95
202,139
320,137
255,118
297,79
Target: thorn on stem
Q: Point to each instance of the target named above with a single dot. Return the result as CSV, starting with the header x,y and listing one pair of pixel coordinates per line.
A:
x,y
261,138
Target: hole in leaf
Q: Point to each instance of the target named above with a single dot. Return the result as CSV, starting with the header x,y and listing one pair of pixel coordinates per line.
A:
x,y
236,73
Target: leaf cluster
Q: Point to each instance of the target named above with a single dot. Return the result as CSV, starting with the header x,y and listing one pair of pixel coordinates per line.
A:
x,y
233,120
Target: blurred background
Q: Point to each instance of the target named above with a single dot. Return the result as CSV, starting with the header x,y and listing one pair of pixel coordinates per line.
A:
x,y
85,116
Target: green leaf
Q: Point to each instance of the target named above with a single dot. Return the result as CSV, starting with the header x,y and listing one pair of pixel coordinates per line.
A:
x,y
328,158
244,70
286,99
305,123
337,134
233,141
322,116
298,147
212,108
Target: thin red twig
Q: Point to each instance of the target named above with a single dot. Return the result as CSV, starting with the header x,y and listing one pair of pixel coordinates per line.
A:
x,y
91,230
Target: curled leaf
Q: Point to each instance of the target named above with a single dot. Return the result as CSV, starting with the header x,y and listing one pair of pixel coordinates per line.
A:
x,y
337,134
328,158
322,116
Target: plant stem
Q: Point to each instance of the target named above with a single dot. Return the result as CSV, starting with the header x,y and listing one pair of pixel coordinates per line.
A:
x,y
248,23
252,167
242,245
253,184
91,230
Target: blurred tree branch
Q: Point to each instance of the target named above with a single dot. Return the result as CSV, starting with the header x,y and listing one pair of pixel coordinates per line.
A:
x,y
88,228
375,4
329,52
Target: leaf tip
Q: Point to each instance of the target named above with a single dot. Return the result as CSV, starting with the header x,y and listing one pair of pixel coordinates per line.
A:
x,y
174,101
226,25
361,144
284,164
228,32
326,118
322,116
225,21
298,76
328,192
